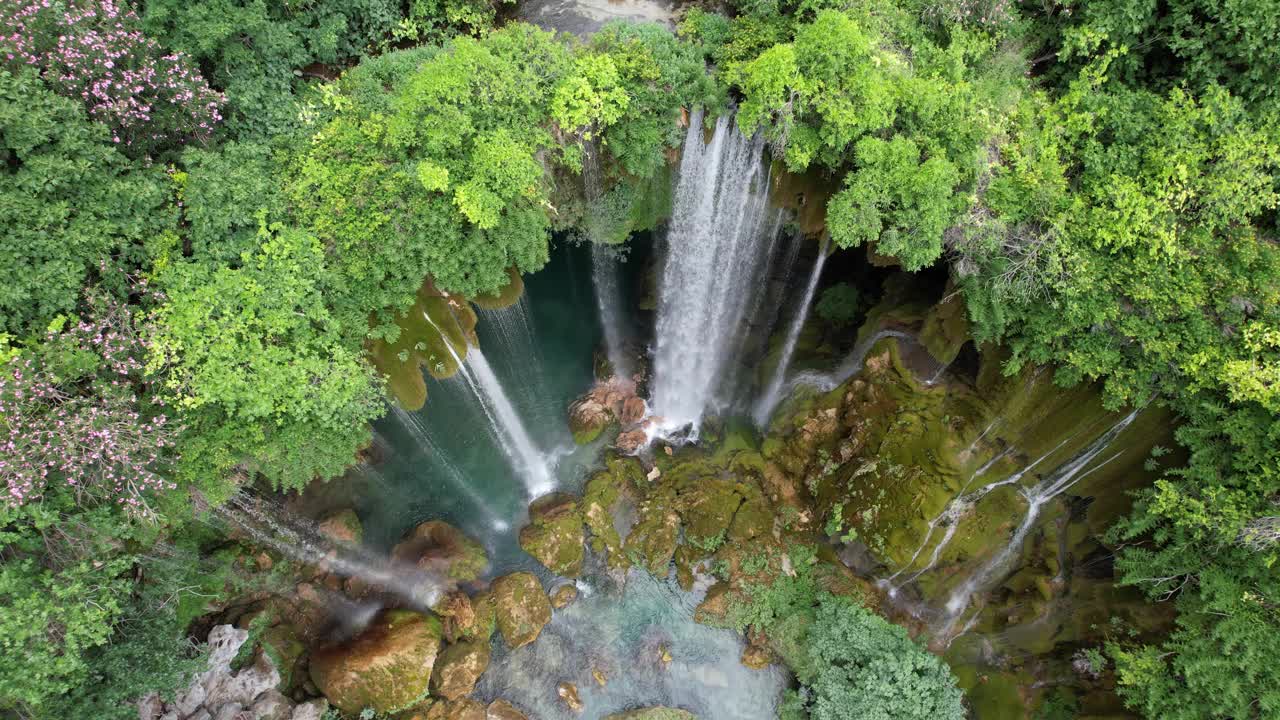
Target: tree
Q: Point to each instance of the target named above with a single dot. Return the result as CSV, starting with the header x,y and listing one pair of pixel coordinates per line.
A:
x,y
69,201
264,376
866,668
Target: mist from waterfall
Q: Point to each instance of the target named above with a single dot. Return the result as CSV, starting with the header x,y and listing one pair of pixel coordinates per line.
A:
x,y
719,243
772,394
298,539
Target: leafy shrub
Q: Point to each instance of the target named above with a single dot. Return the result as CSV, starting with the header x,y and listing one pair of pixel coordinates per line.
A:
x,y
866,668
839,304
94,51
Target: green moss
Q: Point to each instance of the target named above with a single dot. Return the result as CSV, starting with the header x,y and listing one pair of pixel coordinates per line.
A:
x,y
506,297
554,535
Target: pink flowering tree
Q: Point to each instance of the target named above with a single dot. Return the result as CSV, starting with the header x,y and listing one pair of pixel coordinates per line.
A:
x,y
75,418
94,51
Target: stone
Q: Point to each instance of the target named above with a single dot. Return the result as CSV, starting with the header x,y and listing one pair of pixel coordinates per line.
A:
x,y
387,667
633,409
564,595
230,711
150,707
521,608
568,692
459,615
652,541
438,547
311,710
503,710
653,713
599,676
756,657
271,705
200,714
193,698
342,526
631,441
460,709
282,645
555,535
588,418
245,686
458,668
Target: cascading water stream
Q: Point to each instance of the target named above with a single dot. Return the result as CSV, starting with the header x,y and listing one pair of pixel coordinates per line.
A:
x,y
826,382
604,275
773,393
502,417
718,248
301,542
1037,496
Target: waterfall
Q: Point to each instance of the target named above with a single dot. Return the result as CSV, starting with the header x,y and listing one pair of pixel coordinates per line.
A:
x,y
604,276
297,539
717,253
1036,496
773,393
503,418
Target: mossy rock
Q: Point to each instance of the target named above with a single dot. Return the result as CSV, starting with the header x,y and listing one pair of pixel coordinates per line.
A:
x,y
687,558
434,330
652,542
342,526
521,606
507,296
653,713
707,506
485,618
555,535
754,517
436,546
387,667
600,500
281,643
458,668
503,710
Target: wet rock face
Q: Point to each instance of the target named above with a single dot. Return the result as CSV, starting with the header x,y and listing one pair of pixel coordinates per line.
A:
x,y
387,667
440,548
458,668
555,535
521,607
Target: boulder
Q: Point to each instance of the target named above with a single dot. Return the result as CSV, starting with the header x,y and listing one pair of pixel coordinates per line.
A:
x,y
460,709
311,710
503,710
521,608
564,595
458,668
652,541
387,667
633,409
568,692
653,713
342,526
588,418
438,547
555,535
631,441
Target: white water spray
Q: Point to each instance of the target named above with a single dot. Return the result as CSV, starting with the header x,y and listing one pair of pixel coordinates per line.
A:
x,y
717,253
773,393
